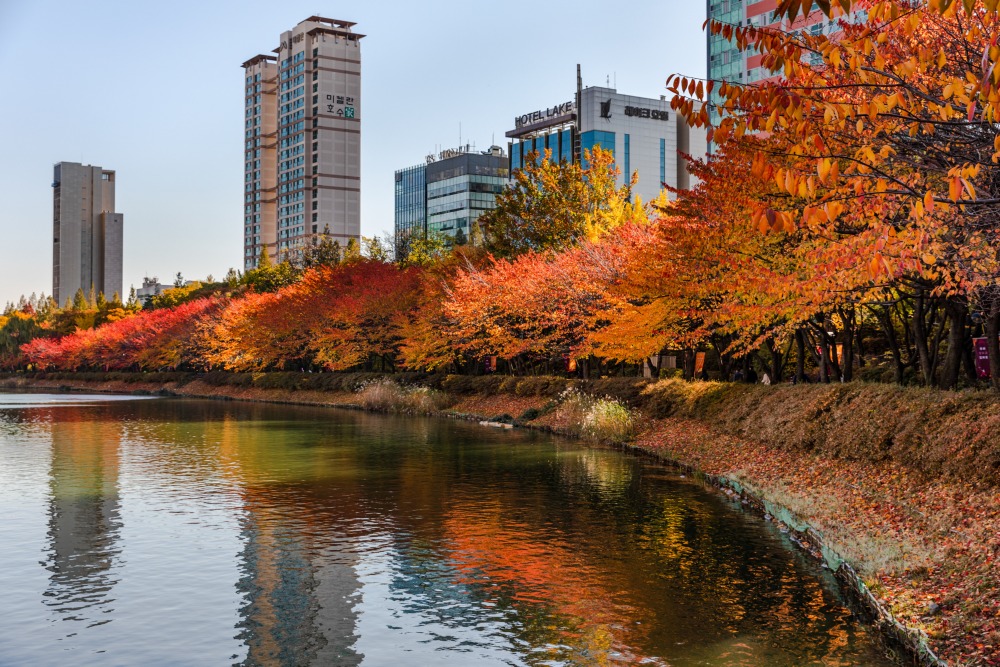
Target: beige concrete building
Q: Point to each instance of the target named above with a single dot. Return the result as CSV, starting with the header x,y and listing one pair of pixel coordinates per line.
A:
x,y
87,233
302,158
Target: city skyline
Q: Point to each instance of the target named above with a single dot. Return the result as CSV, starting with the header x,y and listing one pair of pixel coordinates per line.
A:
x,y
162,113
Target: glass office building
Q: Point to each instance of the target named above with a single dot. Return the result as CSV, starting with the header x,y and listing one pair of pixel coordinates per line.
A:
x,y
448,194
411,202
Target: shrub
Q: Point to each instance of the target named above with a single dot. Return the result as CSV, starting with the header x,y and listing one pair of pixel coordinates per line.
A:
x,y
605,419
386,395
530,414
608,420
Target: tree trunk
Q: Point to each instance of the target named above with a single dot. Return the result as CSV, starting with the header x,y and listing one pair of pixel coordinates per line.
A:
x,y
777,361
993,345
849,318
688,364
957,314
824,356
800,361
919,328
969,360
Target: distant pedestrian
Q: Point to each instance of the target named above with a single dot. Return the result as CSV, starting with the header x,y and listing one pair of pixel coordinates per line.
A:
x,y
738,376
765,379
751,376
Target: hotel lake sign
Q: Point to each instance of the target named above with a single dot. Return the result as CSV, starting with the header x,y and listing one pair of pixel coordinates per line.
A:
x,y
557,111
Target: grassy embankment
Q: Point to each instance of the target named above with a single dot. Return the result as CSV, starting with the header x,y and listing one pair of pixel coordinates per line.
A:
x,y
897,485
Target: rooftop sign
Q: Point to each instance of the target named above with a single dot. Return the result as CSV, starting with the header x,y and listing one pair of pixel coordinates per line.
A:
x,y
563,109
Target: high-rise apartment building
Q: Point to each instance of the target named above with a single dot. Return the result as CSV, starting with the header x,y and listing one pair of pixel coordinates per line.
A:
x,y
302,151
726,61
446,195
86,232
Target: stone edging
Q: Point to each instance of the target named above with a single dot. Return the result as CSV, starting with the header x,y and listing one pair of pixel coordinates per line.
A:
x,y
912,642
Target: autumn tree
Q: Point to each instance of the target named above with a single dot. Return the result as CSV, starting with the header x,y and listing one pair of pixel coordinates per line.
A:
x,y
323,251
883,151
556,205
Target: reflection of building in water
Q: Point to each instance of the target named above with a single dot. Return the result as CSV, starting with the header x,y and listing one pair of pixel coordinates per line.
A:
x,y
299,597
84,518
298,580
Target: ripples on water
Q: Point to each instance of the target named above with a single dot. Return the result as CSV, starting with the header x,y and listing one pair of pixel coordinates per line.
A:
x,y
172,532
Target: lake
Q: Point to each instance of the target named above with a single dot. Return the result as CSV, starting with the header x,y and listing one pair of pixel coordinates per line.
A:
x,y
170,531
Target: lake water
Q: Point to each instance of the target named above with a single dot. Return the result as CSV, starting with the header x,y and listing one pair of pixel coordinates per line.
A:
x,y
182,532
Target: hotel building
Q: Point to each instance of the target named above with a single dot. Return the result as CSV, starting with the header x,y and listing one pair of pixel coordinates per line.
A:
x,y
446,195
86,232
302,152
644,135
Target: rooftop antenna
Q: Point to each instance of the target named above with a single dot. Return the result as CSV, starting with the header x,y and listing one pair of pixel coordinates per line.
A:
x,y
607,80
459,134
576,107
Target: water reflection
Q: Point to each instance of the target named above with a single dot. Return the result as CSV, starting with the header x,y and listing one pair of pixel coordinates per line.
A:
x,y
287,536
83,519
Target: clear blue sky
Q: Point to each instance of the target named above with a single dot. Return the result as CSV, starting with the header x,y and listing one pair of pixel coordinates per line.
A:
x,y
155,92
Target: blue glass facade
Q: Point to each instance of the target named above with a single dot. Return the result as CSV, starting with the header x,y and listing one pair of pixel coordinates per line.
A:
x,y
605,140
411,202
663,162
628,156
560,143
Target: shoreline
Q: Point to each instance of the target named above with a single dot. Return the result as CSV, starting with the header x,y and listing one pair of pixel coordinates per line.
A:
x,y
885,600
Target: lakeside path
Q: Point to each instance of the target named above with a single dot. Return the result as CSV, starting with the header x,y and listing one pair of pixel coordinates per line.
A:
x,y
925,547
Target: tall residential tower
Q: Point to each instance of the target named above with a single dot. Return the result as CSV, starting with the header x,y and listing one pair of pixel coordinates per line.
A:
x,y
302,152
86,232
726,61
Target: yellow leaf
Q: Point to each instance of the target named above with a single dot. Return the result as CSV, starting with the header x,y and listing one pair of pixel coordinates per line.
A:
x,y
955,189
928,259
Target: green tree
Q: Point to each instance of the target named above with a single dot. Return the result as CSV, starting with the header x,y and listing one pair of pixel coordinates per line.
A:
x,y
18,329
353,250
133,300
324,252
557,205
175,296
375,249
270,277
426,251
79,302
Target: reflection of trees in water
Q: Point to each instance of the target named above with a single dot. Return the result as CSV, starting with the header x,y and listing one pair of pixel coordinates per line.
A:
x,y
84,519
601,555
